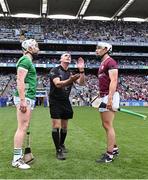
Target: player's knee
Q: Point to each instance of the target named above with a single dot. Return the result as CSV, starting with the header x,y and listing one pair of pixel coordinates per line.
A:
x,y
64,124
56,124
106,125
25,124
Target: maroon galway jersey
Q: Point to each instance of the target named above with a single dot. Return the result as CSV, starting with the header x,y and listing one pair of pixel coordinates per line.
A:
x,y
103,75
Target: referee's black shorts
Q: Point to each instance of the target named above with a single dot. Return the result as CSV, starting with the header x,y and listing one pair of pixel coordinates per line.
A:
x,y
60,109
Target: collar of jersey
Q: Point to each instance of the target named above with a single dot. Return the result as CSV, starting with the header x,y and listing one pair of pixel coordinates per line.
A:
x,y
63,69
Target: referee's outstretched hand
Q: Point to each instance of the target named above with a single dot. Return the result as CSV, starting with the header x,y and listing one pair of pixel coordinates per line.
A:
x,y
74,77
80,64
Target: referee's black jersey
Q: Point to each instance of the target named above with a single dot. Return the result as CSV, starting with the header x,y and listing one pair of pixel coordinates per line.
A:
x,y
59,94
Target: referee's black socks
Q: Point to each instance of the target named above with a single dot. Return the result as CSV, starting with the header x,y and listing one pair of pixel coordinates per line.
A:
x,y
56,138
63,134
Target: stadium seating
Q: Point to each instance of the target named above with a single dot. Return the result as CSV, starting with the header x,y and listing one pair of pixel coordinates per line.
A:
x,y
129,87
51,29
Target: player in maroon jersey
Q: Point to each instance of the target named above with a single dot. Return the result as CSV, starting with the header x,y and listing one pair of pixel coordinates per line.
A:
x,y
108,81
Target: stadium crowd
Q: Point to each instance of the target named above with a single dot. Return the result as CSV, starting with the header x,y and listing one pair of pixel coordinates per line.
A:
x,y
129,87
88,60
53,29
4,80
133,87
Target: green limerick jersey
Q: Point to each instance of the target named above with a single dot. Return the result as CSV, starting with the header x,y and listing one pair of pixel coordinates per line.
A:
x,y
30,79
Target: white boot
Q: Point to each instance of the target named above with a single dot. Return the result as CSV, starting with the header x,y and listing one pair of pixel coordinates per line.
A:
x,y
19,163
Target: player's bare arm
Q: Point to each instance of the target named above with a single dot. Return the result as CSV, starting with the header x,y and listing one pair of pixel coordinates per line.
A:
x,y
21,74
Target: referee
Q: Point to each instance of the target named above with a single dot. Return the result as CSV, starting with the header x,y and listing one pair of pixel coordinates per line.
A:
x,y
61,81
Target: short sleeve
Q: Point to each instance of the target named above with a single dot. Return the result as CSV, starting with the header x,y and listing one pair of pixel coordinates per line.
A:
x,y
24,63
112,65
54,73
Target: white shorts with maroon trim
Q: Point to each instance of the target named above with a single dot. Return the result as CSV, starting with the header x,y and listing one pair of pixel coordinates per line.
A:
x,y
116,101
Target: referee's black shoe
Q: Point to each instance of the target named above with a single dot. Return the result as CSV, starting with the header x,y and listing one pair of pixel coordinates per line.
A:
x,y
60,155
64,149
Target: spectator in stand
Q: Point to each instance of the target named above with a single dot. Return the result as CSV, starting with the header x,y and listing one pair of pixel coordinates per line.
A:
x,y
75,30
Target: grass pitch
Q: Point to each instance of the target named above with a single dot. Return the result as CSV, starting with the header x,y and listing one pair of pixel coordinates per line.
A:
x,y
85,141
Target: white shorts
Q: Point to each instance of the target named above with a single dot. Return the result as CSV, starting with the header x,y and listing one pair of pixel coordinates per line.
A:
x,y
116,101
30,102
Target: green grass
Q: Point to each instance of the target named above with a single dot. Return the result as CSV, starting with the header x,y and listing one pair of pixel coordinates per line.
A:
x,y
85,141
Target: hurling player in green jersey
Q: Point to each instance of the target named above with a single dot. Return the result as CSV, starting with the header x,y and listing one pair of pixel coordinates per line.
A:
x,y
24,98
